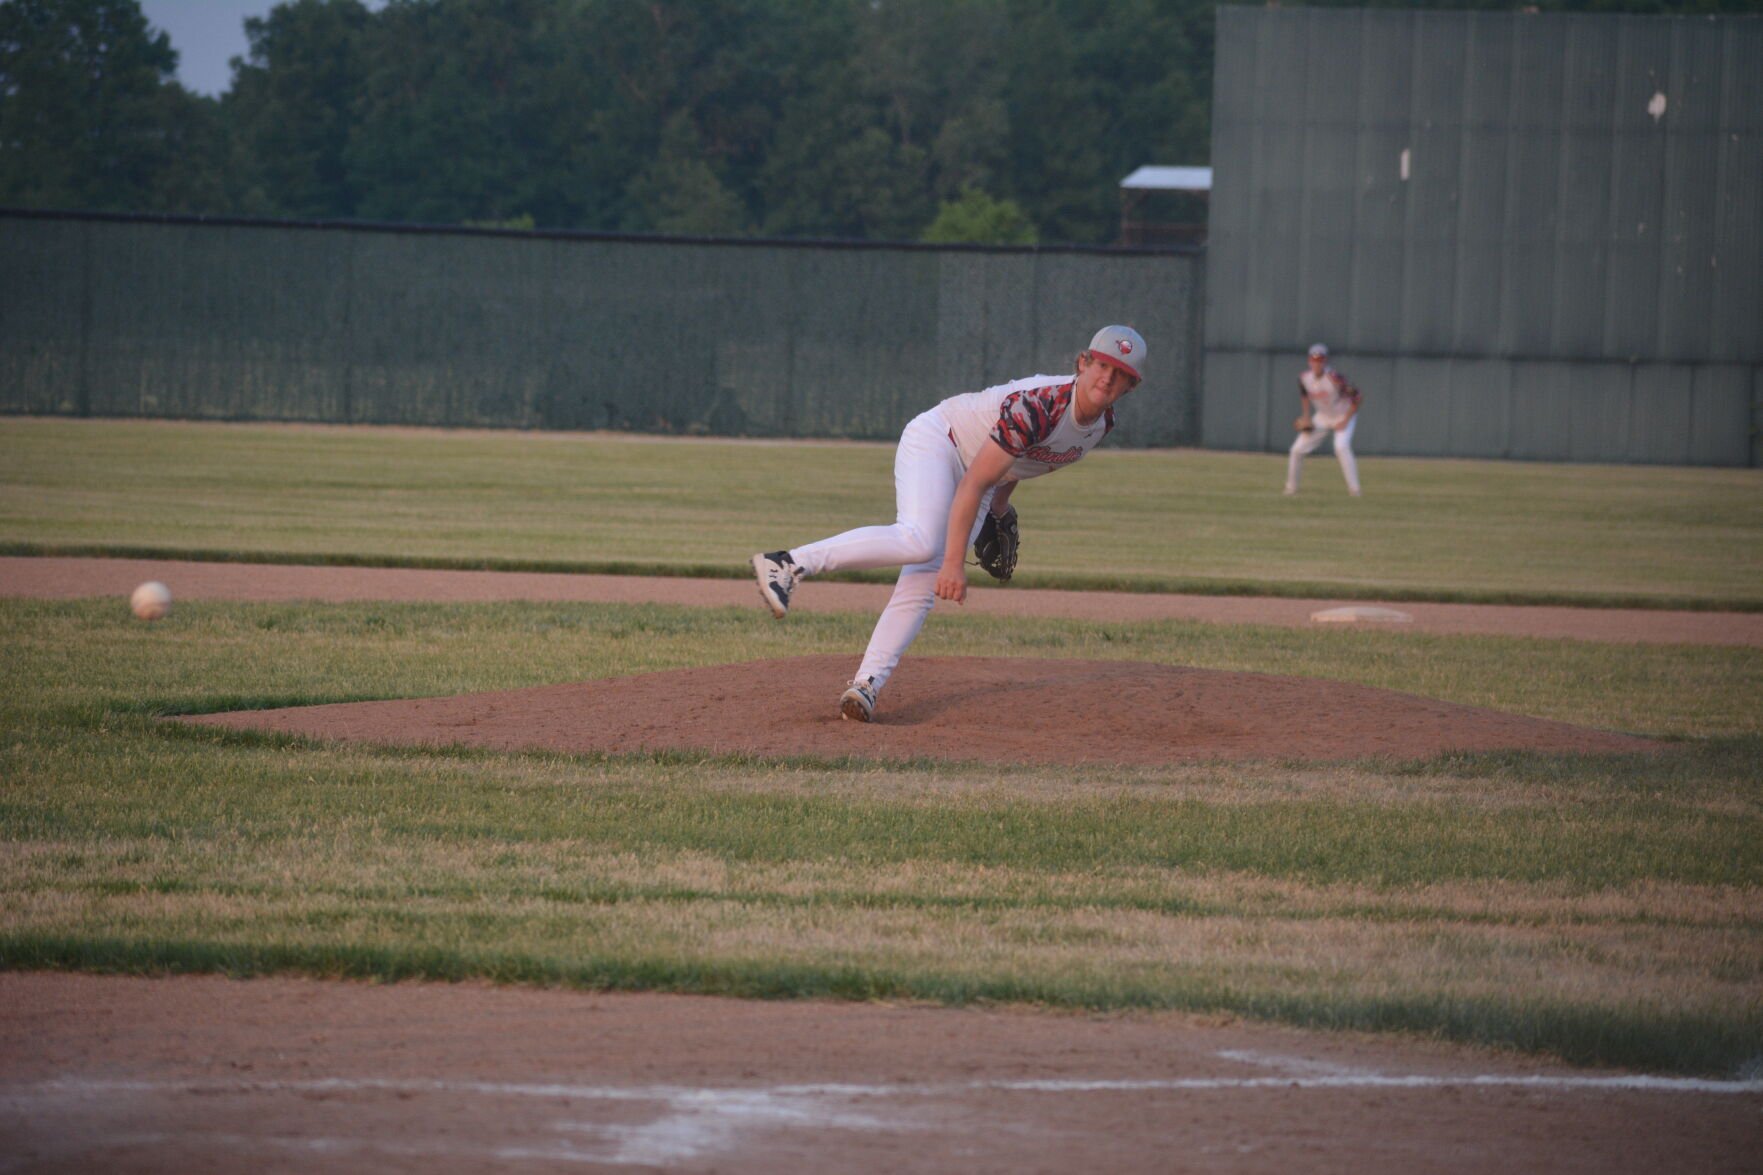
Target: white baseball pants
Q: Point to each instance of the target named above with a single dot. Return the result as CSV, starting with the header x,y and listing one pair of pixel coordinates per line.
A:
x,y
927,468
1343,449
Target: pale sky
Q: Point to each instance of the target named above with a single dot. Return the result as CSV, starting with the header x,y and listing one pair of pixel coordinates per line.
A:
x,y
207,34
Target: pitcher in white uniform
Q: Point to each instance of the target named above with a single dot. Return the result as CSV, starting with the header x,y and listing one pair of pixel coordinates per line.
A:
x,y
961,457
1330,407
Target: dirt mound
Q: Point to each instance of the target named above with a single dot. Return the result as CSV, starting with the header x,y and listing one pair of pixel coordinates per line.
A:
x,y
994,709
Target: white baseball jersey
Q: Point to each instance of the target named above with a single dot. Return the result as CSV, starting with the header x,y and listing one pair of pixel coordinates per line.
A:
x,y
1329,394
1033,419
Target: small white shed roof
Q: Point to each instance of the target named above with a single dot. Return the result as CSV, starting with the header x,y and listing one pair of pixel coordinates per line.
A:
x,y
1175,179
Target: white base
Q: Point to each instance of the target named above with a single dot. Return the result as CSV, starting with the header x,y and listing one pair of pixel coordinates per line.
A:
x,y
1360,613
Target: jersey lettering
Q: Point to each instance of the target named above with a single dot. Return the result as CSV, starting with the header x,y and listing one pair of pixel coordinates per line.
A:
x,y
1042,453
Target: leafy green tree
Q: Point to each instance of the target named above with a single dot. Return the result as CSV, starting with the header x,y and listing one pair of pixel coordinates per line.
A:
x,y
444,120
688,94
679,192
843,176
292,106
1097,88
845,159
89,114
935,67
975,218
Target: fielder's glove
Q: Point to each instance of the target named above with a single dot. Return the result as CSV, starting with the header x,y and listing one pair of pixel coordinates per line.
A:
x,y
995,548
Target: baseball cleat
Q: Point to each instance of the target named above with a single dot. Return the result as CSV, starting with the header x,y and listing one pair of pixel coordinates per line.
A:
x,y
777,574
858,702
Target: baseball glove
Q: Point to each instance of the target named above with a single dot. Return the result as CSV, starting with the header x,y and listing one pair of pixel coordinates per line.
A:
x,y
996,546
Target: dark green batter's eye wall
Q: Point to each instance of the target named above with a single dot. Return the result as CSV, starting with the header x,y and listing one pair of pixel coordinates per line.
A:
x,y
1522,235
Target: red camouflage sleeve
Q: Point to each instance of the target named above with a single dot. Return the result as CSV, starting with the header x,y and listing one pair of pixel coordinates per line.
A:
x,y
1348,391
1027,418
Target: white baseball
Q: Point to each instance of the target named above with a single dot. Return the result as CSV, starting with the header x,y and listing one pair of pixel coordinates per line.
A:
x,y
151,600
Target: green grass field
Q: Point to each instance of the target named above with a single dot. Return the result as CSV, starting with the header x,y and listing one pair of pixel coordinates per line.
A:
x,y
1605,909
1187,520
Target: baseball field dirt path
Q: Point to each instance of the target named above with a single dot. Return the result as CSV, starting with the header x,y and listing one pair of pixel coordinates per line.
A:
x,y
290,1075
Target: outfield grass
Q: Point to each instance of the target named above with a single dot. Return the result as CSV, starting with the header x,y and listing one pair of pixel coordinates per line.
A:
x,y
1169,521
1605,909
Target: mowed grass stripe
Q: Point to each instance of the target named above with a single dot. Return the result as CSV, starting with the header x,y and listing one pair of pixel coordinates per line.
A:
x,y
570,872
276,809
1145,520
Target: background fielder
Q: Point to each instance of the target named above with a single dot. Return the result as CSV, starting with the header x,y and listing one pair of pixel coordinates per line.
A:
x,y
954,463
1330,406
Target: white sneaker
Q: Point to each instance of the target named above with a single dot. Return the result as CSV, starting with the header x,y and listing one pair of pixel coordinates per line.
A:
x,y
857,703
777,574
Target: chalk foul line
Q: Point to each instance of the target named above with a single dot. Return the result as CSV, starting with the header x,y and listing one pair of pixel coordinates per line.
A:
x,y
693,1123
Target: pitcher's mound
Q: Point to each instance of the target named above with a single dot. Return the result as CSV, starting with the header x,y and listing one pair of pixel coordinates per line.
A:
x,y
995,709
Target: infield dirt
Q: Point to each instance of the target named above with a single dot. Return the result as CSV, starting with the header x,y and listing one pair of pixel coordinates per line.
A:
x,y
991,709
272,1075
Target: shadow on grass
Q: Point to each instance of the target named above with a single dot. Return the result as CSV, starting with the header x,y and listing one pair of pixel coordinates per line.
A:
x,y
1686,763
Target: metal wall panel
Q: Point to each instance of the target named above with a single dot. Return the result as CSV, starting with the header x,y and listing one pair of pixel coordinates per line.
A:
x,y
1757,416
1720,415
1418,404
1587,153
1542,412
1692,174
1381,219
1435,138
1738,283
1282,61
1659,415
1234,407
1583,201
1480,406
1533,182
1600,405
1637,191
1481,235
1331,113
1230,249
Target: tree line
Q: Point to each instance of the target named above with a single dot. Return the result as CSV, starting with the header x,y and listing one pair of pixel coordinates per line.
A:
x,y
1001,120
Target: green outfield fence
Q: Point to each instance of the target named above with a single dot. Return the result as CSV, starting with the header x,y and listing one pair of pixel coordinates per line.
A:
x,y
249,320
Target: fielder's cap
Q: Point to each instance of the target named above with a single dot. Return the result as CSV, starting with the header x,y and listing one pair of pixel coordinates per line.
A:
x,y
1319,350
1122,347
